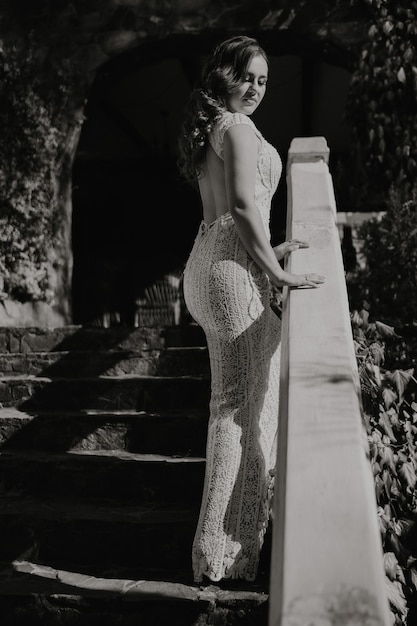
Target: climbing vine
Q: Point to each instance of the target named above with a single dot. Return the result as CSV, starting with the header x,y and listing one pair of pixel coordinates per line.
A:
x,y
381,107
30,147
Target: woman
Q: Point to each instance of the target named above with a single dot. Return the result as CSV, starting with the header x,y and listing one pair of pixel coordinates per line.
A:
x,y
227,283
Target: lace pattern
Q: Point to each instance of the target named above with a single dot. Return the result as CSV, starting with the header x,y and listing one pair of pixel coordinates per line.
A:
x,y
228,295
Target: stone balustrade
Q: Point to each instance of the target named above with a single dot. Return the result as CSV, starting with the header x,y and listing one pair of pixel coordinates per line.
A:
x,y
327,561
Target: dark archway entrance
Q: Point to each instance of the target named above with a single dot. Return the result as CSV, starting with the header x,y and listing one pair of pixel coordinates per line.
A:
x,y
134,219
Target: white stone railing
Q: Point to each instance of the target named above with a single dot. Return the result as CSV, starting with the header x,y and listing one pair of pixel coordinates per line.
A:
x,y
327,561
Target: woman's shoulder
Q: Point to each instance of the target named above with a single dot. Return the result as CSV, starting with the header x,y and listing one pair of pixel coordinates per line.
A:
x,y
223,123
228,118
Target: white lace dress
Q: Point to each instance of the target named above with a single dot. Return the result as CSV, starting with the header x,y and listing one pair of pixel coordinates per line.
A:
x,y
229,296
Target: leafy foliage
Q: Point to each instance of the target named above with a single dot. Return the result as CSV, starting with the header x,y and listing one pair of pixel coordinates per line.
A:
x,y
383,94
390,414
29,154
25,195
388,281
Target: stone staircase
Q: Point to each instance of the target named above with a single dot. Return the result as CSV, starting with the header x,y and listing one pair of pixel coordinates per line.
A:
x,y
102,438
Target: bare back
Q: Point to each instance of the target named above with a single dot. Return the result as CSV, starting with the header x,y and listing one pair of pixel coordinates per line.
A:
x,y
220,166
213,187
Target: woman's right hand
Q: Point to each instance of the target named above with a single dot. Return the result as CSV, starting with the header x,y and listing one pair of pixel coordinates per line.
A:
x,y
299,280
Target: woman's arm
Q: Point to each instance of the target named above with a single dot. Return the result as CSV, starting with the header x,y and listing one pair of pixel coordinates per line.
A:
x,y
240,158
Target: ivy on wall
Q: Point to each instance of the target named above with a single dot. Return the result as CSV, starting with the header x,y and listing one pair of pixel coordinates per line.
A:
x,y
383,97
29,153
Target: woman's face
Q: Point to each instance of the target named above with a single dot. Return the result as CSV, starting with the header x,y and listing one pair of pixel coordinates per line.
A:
x,y
248,95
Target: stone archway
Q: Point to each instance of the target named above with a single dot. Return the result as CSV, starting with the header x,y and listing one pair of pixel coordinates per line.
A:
x,y
134,220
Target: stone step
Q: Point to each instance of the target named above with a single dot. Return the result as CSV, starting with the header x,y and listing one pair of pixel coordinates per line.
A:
x,y
116,475
185,361
82,339
61,364
32,594
78,338
107,393
100,537
132,431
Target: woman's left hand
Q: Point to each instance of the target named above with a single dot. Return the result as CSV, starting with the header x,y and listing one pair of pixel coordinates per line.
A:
x,y
289,246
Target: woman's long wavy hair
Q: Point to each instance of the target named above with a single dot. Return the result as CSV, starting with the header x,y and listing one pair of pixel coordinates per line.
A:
x,y
221,75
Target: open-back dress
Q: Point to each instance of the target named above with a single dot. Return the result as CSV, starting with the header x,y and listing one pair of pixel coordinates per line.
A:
x,y
228,294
